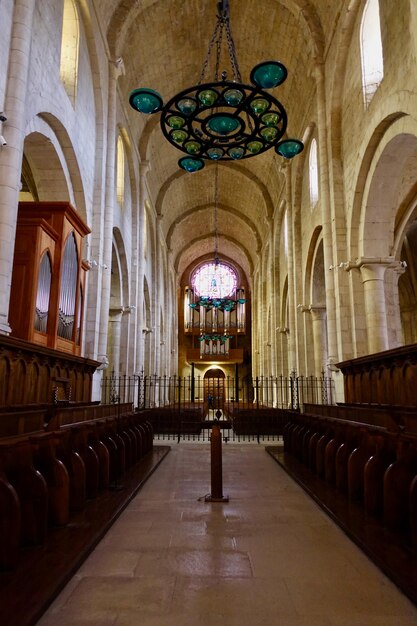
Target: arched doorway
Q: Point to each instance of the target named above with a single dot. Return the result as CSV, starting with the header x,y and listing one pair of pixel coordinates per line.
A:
x,y
214,391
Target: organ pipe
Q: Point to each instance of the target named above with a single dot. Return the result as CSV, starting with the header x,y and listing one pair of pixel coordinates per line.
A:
x,y
68,290
43,293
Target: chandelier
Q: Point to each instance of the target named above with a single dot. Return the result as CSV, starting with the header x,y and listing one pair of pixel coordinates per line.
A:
x,y
223,119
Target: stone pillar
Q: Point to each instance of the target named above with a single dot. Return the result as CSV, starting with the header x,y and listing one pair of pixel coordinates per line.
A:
x,y
292,331
396,330
140,353
160,296
11,155
115,70
284,347
318,317
126,339
326,215
373,275
115,326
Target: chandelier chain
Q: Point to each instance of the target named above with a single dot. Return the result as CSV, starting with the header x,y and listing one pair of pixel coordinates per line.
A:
x,y
232,53
216,209
213,40
223,23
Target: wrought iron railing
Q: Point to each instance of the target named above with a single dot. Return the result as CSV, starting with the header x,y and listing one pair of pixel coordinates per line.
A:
x,y
289,392
184,407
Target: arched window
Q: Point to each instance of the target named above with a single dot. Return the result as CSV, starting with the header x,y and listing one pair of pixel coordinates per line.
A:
x,y
120,172
214,280
371,50
69,49
313,174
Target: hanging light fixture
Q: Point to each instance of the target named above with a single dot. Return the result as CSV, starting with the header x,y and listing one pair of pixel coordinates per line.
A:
x,y
223,119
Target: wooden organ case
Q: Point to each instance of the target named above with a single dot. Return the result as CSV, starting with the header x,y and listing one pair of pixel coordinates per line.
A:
x,y
47,292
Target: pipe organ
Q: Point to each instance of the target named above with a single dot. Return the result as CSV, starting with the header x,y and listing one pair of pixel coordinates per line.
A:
x,y
215,323
214,319
47,293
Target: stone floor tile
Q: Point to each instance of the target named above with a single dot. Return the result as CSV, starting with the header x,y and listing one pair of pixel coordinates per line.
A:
x,y
95,594
190,563
268,557
110,563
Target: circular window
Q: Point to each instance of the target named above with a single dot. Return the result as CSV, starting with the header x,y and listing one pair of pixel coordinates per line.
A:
x,y
214,280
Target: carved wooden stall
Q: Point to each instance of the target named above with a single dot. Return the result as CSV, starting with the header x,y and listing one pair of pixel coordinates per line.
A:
x,y
389,377
358,459
32,375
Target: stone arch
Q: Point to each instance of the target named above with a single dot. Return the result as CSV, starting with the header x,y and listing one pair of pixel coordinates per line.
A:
x,y
385,211
53,163
391,182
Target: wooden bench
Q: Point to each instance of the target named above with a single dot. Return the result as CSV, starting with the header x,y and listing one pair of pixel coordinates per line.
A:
x,y
260,420
369,463
48,475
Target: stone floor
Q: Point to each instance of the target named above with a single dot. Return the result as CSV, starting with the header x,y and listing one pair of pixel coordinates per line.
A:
x,y
268,557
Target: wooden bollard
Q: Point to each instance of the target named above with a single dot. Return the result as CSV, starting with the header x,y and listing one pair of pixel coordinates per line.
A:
x,y
216,467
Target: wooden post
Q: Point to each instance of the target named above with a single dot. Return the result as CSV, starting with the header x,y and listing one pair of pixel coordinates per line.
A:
x,y
216,467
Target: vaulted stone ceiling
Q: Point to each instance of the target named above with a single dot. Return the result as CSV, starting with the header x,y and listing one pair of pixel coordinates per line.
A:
x,y
163,44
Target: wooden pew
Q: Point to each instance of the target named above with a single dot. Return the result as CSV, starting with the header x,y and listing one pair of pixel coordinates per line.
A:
x,y
47,476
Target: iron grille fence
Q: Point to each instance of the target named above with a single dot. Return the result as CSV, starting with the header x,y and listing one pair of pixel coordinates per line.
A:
x,y
184,407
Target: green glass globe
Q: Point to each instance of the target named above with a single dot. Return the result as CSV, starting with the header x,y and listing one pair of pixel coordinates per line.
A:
x,y
191,165
215,153
207,97
187,106
268,74
259,105
254,147
233,97
192,147
270,119
145,100
289,148
223,124
269,133
236,153
175,121
179,136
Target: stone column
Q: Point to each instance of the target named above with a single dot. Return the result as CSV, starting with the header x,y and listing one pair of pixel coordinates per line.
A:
x,y
318,316
115,326
140,353
373,276
11,155
115,70
126,339
292,330
159,296
326,215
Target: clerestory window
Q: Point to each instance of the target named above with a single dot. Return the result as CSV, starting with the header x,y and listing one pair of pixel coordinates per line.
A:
x,y
313,174
371,50
69,49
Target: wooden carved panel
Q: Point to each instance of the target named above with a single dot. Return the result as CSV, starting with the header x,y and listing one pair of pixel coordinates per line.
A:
x,y
48,276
